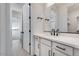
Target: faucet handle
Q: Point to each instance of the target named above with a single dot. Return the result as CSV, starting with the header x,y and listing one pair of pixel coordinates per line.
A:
x,y
53,30
57,30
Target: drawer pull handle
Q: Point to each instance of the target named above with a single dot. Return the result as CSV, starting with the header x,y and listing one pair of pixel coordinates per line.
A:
x,y
49,52
61,48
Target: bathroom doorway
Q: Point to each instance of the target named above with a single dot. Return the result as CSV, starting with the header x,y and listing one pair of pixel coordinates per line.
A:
x,y
20,28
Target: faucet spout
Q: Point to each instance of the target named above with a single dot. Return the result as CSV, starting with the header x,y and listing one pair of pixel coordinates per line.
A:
x,y
57,32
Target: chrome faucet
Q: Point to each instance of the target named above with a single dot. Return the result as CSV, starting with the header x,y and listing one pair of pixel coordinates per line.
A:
x,y
53,32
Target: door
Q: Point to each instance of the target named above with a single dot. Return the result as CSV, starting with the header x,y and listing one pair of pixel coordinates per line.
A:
x,y
45,50
57,53
26,27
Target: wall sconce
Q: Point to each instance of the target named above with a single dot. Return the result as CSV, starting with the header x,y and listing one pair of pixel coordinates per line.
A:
x,y
39,18
47,19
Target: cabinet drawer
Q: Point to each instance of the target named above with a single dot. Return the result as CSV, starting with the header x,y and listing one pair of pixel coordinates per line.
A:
x,y
46,42
63,48
58,53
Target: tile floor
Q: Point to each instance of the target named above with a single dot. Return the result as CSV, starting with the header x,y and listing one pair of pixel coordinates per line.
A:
x,y
17,50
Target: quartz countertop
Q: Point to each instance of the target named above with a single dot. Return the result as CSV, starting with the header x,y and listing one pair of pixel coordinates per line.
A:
x,y
70,41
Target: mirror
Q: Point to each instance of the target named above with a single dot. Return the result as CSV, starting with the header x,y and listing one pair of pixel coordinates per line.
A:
x,y
63,17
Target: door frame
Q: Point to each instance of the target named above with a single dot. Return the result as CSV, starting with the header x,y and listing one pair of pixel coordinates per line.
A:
x,y
29,28
29,4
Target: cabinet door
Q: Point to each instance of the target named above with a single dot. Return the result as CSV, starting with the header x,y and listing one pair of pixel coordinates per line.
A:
x,y
76,52
37,47
45,50
57,53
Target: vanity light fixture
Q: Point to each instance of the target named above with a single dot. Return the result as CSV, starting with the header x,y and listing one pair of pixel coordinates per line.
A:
x,y
42,18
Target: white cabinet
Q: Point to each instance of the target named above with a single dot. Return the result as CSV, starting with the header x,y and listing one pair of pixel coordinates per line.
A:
x,y
45,41
45,47
42,47
57,53
37,46
45,50
76,52
63,48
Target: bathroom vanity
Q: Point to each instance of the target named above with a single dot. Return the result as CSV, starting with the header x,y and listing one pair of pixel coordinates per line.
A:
x,y
59,18
45,45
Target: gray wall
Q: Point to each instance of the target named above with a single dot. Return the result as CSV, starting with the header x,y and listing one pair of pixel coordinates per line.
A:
x,y
5,30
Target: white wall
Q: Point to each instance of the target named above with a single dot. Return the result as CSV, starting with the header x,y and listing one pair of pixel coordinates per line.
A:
x,y
37,10
5,30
